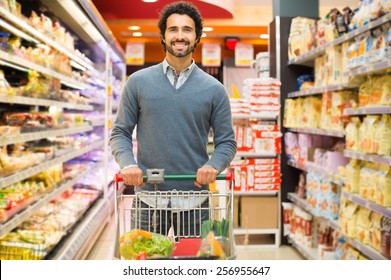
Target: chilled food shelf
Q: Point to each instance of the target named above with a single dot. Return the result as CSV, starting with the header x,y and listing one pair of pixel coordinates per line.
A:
x,y
84,235
29,210
308,167
314,91
255,155
262,116
43,102
24,174
367,204
319,131
32,136
368,69
24,64
307,58
373,110
367,157
24,25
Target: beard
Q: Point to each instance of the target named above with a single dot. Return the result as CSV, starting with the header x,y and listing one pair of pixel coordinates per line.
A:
x,y
181,53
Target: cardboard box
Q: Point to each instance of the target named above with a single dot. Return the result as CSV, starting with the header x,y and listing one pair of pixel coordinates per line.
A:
x,y
258,212
236,212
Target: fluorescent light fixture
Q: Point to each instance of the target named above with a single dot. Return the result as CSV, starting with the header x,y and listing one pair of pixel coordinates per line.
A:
x,y
134,27
17,32
149,1
137,34
207,29
21,68
203,35
78,66
264,36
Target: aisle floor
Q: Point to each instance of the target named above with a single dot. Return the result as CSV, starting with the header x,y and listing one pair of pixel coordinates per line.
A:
x,y
104,249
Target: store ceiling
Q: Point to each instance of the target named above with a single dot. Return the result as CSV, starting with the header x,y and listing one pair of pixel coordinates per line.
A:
x,y
247,20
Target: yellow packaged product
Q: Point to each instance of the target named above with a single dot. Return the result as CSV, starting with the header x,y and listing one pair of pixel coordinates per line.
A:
x,y
364,93
311,113
289,110
349,221
352,135
383,188
325,115
352,176
365,177
385,98
381,143
367,133
377,83
298,112
339,101
363,225
374,231
374,175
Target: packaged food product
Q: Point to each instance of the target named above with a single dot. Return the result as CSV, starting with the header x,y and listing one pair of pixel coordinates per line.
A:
x,y
381,143
352,135
383,186
363,225
374,231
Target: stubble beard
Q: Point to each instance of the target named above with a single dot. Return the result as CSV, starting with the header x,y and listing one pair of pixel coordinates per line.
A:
x,y
183,53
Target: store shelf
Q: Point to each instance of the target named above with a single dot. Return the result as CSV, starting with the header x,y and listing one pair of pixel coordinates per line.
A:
x,y
24,25
365,249
255,232
255,193
32,136
367,157
77,245
307,58
313,167
29,210
302,203
369,69
373,110
367,204
308,253
321,90
24,174
43,102
96,121
319,131
255,155
263,116
18,62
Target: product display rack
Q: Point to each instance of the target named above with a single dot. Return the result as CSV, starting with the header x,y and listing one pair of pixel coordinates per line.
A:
x,y
105,62
298,66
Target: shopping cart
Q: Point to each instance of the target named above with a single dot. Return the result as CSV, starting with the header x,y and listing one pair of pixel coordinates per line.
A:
x,y
184,211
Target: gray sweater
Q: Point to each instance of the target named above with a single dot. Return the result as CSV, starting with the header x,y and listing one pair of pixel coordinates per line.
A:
x,y
173,125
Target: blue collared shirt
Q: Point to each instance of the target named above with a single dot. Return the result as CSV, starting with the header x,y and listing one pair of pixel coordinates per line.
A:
x,y
177,80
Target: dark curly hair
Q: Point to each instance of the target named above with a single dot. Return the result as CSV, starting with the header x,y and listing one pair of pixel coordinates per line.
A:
x,y
182,8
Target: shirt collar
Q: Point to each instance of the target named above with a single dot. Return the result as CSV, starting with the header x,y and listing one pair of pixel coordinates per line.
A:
x,y
187,70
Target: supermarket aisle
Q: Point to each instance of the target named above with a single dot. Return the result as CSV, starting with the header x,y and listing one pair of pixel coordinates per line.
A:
x,y
104,249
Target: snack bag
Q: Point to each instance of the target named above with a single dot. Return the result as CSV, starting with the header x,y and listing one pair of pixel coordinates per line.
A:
x,y
352,134
210,246
381,144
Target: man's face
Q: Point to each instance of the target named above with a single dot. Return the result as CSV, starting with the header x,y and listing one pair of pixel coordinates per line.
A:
x,y
180,35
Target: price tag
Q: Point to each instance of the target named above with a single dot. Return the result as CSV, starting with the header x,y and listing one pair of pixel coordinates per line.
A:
x,y
109,91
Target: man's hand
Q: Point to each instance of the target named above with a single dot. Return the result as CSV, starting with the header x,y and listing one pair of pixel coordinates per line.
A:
x,y
133,176
205,175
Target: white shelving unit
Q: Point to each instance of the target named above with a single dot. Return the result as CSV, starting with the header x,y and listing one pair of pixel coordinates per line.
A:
x,y
78,242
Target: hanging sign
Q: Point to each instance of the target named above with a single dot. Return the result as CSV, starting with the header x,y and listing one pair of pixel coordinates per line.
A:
x,y
244,54
211,55
134,53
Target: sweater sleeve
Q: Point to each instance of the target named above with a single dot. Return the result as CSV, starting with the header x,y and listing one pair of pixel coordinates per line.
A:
x,y
121,141
223,135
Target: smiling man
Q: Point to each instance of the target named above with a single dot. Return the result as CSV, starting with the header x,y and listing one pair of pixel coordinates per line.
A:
x,y
174,105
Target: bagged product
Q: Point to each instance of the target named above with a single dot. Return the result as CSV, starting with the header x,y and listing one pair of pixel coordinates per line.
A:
x,y
352,135
363,225
364,93
383,187
385,98
381,143
374,231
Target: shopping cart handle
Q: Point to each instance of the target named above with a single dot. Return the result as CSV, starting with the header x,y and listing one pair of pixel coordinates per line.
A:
x,y
181,177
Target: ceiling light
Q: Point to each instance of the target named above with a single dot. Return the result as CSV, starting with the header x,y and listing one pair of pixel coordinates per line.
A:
x,y
207,29
150,1
134,27
137,34
264,36
203,35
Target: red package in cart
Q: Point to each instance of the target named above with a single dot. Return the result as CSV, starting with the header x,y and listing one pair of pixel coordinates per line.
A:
x,y
267,167
266,186
263,161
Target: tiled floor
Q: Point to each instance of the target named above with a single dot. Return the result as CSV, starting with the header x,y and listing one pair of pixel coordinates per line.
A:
x,y
104,249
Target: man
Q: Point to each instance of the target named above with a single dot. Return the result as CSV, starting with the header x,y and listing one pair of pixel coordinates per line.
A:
x,y
174,104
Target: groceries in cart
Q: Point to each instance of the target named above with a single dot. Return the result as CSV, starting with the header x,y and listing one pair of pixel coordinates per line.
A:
x,y
141,244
